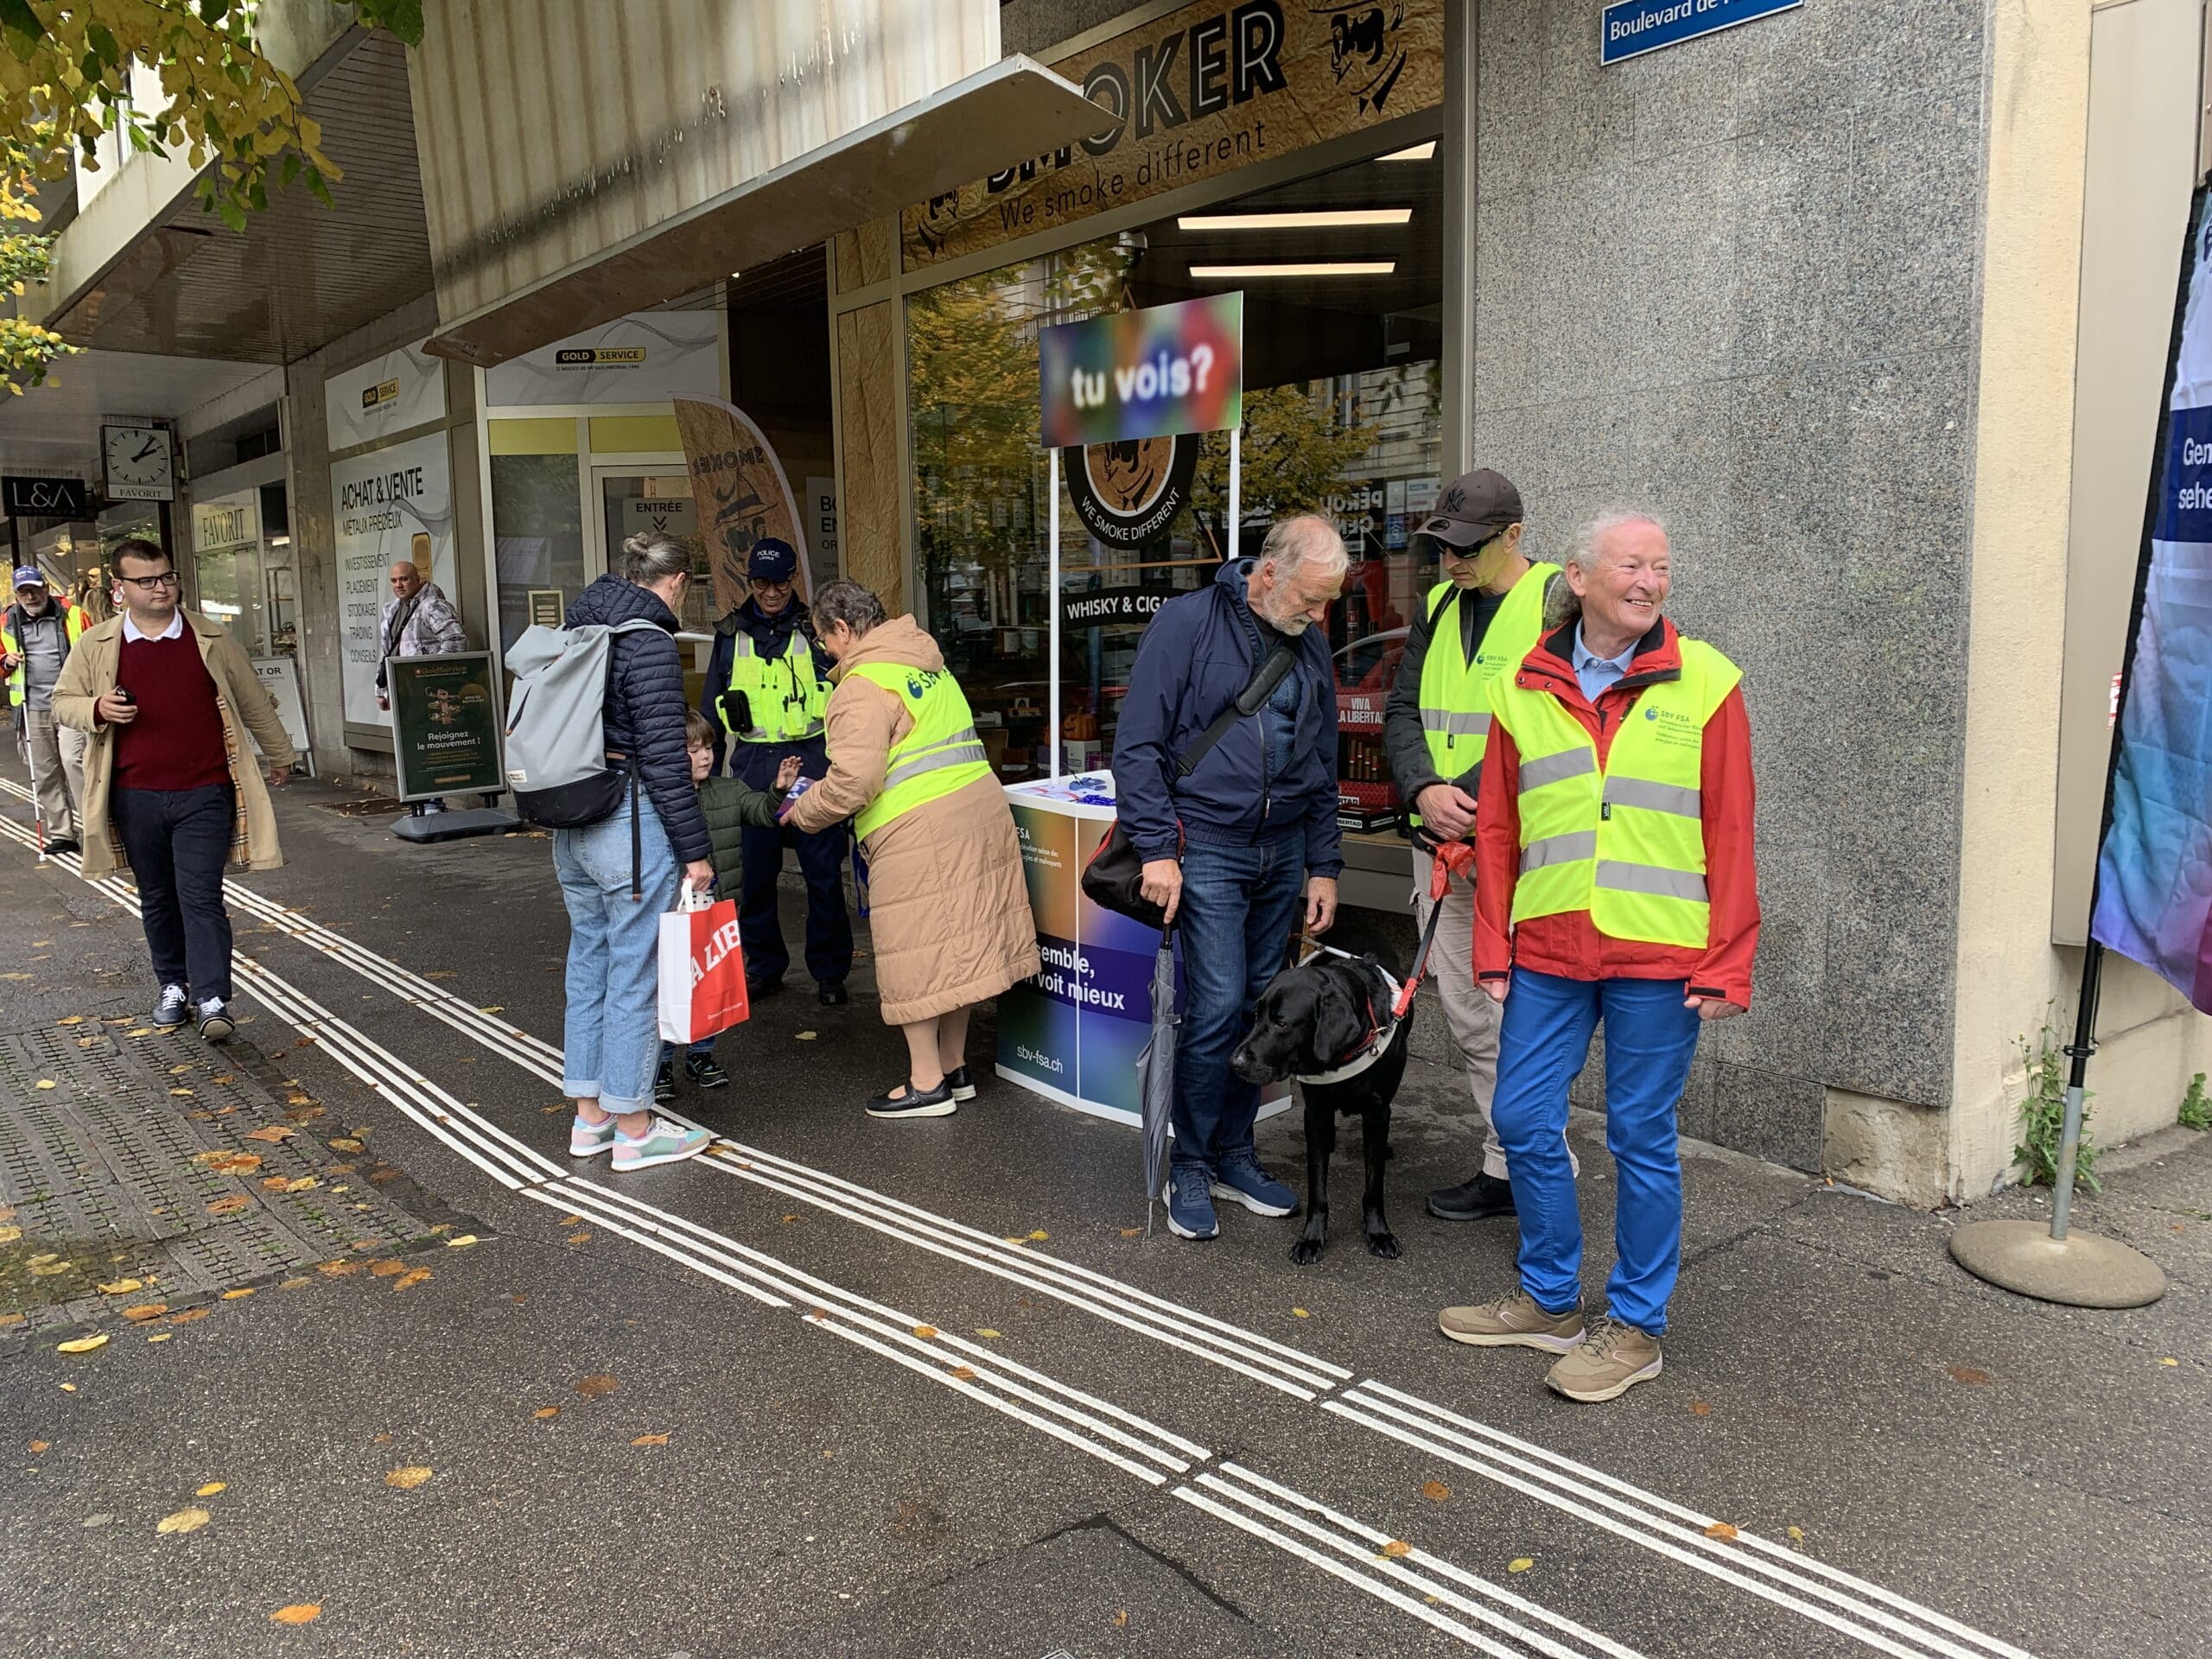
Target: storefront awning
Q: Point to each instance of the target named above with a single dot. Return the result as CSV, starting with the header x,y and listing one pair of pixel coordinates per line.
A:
x,y
1012,109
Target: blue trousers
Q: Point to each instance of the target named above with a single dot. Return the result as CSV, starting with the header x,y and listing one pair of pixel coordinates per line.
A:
x,y
611,1027
821,860
1239,906
178,841
1544,1040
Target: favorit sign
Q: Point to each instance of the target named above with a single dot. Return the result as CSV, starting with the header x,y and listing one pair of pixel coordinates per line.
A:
x,y
1635,27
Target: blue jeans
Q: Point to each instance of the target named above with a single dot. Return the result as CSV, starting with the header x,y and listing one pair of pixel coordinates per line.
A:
x,y
701,1049
1239,906
1543,1041
611,1031
178,841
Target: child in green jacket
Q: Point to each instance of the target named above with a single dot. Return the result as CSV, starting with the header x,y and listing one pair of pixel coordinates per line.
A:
x,y
730,806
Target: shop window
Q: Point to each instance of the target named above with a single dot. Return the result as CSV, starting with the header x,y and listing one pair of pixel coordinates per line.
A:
x,y
537,539
1343,415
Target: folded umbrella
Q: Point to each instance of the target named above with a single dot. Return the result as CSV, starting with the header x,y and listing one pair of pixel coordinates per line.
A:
x,y
1156,1074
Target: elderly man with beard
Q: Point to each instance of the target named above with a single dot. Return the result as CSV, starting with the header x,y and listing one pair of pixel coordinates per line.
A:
x,y
1236,850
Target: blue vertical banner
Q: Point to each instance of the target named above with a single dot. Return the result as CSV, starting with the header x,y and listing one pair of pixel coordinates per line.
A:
x,y
2154,870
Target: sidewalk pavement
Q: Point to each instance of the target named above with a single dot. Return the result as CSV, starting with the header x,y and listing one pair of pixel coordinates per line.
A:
x,y
489,1412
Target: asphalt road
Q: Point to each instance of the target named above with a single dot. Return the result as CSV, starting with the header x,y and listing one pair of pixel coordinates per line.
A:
x,y
927,1389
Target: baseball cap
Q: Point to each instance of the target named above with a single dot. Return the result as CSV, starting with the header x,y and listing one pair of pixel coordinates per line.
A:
x,y
29,576
1476,506
771,560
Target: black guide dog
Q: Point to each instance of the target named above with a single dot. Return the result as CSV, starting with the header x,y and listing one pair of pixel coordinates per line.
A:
x,y
1309,1020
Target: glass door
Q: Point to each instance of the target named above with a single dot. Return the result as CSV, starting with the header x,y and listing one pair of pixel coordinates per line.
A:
x,y
648,494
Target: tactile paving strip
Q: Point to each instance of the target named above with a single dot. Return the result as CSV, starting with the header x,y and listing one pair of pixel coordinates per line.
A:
x,y
109,1171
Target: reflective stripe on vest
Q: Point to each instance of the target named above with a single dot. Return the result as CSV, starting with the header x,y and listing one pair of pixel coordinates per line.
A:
x,y
941,754
785,697
1454,692
73,629
1625,842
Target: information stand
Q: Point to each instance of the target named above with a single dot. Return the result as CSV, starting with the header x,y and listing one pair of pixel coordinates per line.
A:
x,y
445,741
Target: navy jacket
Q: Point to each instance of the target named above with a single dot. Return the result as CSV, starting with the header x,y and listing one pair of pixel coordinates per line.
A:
x,y
1200,652
643,712
755,764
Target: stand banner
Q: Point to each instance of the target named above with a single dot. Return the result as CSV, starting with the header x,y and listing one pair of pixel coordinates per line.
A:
x,y
741,492
2154,870
445,725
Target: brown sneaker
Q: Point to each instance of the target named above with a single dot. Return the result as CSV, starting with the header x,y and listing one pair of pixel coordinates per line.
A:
x,y
1513,1320
1612,1359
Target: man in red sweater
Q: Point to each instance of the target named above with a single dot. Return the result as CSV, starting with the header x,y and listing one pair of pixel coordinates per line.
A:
x,y
157,696
1614,881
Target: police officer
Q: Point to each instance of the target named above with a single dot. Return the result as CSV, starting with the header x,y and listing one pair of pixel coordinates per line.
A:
x,y
768,684
1485,616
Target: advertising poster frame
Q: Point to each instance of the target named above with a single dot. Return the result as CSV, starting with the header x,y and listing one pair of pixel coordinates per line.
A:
x,y
446,725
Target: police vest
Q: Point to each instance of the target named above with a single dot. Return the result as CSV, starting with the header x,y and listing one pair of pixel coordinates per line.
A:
x,y
783,693
941,754
73,627
1454,692
1625,841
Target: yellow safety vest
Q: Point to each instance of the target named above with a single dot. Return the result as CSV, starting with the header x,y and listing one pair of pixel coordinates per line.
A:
x,y
72,628
785,695
1455,692
1625,842
941,754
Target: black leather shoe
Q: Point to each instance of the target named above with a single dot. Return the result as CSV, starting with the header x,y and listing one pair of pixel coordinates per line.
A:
x,y
760,990
903,1100
1477,1200
832,994
62,844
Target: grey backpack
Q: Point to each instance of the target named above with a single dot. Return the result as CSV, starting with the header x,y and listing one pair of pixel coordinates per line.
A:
x,y
556,743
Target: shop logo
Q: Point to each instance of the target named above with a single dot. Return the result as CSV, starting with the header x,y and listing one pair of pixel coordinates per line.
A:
x,y
1127,493
1364,50
385,392
599,357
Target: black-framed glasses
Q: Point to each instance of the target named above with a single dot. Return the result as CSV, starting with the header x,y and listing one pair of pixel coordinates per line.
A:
x,y
770,581
154,584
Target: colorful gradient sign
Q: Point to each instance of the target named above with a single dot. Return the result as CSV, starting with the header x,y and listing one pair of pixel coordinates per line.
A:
x,y
1144,374
2154,872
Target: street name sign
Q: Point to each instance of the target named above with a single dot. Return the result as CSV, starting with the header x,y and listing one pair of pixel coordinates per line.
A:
x,y
1635,27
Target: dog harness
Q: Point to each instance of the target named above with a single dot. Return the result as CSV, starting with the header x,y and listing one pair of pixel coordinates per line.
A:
x,y
1380,1029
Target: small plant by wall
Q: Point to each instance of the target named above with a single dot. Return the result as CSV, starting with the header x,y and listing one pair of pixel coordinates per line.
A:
x,y
2042,1117
2196,1110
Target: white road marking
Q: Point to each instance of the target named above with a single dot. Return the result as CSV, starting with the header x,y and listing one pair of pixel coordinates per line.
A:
x,y
882,1330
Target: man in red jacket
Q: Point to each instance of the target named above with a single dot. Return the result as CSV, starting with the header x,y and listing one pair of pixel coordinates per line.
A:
x,y
1614,881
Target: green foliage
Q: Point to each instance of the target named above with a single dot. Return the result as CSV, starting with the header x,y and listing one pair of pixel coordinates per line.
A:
x,y
2042,1117
2196,1110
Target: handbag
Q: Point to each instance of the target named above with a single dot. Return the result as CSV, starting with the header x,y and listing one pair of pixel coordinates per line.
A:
x,y
1113,878
702,971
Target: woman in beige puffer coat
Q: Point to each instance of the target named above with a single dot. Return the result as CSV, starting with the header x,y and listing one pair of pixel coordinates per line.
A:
x,y
949,904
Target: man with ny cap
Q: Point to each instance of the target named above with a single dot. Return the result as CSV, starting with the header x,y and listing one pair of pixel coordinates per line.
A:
x,y
37,634
767,684
1483,616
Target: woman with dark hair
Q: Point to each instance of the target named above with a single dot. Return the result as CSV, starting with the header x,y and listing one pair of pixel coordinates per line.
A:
x,y
611,1029
949,917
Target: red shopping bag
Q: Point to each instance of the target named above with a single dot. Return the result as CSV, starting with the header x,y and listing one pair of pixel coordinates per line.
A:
x,y
701,972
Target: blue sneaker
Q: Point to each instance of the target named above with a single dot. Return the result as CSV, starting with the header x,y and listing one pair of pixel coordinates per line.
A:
x,y
1241,1180
589,1140
1190,1212
664,1143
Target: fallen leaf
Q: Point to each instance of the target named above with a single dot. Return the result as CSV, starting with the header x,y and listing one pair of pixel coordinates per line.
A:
x,y
1435,1491
650,1439
1121,1619
121,1286
411,1278
1723,1531
304,1114
989,1335
568,1221
379,1440
225,1076
160,1336
1969,1375
1040,1234
43,1082
925,1331
1700,1409
49,1270
2169,1362
6,1320
390,1267
1520,1564
181,1094
1300,1314
300,1613
229,1206
409,1479
1131,1232
82,1345
346,1143
585,1238
273,1133
40,1445
295,1284
71,1020
594,1387
68,1388
1797,1536
460,1243
275,1183
807,1036
236,1163
212,1488
339,1268
190,1316
1396,1548
964,1373
544,1412
183,1520
439,973
147,1311
9,1235
234,1295
305,1183
789,1219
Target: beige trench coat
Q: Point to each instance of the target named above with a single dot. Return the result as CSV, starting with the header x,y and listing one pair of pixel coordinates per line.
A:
x,y
949,911
89,674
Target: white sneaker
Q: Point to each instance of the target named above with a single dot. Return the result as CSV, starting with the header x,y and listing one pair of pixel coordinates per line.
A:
x,y
662,1143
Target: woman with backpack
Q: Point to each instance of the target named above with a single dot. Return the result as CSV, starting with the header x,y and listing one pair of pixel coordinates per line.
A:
x,y
618,875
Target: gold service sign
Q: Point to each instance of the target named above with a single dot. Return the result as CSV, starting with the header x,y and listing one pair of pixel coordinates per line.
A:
x,y
741,492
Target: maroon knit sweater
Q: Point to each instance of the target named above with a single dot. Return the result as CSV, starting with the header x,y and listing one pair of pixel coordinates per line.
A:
x,y
176,742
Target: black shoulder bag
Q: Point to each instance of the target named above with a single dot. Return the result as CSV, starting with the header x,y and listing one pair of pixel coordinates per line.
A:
x,y
1113,878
